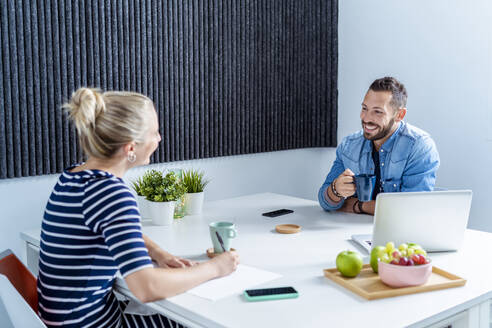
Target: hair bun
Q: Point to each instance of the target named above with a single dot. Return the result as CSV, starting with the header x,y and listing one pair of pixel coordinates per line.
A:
x,y
84,107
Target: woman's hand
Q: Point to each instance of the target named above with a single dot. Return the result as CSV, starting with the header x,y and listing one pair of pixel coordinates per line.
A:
x,y
167,260
226,263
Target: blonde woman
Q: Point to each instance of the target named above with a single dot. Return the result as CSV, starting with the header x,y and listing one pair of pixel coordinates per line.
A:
x,y
91,227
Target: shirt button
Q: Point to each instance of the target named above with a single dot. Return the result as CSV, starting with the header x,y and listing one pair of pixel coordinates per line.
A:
x,y
382,164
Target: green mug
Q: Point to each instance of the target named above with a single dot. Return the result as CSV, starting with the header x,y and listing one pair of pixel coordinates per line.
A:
x,y
226,231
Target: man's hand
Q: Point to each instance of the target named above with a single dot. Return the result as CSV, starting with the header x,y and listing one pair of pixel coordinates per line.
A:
x,y
344,184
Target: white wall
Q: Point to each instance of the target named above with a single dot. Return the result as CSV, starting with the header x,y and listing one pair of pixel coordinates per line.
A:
x,y
441,51
295,172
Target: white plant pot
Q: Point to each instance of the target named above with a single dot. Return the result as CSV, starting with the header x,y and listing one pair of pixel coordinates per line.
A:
x,y
162,213
143,207
194,203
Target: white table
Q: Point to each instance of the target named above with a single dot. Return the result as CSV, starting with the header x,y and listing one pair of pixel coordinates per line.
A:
x,y
301,258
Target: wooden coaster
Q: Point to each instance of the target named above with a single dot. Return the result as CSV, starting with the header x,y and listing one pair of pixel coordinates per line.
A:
x,y
211,253
288,228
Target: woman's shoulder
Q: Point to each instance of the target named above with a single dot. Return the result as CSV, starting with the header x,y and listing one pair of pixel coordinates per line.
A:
x,y
89,180
100,181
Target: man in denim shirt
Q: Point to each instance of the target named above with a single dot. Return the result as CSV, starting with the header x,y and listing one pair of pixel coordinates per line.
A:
x,y
403,157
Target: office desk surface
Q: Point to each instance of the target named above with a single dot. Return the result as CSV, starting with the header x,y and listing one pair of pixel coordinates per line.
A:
x,y
300,258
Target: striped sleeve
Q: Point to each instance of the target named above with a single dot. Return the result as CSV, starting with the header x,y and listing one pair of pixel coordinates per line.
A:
x,y
110,210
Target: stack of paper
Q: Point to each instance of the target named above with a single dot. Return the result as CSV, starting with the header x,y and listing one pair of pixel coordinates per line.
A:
x,y
243,278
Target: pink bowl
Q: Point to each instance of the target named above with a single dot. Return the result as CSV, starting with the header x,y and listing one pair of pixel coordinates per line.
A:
x,y
402,276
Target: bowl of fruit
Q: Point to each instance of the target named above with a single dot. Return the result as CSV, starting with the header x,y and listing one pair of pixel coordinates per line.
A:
x,y
404,266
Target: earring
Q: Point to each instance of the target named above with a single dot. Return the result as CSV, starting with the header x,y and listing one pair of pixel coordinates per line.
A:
x,y
131,157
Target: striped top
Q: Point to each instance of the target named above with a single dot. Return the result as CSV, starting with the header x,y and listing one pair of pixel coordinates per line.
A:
x,y
90,230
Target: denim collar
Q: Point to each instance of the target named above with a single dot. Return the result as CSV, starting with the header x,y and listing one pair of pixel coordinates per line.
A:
x,y
388,144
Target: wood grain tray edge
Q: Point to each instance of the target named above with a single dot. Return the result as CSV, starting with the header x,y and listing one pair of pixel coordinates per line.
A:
x,y
454,281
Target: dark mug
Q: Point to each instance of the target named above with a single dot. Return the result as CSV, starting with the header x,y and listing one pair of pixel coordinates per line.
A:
x,y
365,184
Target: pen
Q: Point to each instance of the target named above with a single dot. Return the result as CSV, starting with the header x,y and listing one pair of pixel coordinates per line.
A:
x,y
220,241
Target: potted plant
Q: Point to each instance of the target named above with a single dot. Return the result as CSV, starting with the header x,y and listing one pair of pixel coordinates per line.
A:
x,y
179,210
137,185
162,191
195,183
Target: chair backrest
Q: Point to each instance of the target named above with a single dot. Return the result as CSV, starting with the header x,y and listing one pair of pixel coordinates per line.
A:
x,y
20,277
14,311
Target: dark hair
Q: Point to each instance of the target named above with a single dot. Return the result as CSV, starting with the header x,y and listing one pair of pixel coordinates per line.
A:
x,y
397,89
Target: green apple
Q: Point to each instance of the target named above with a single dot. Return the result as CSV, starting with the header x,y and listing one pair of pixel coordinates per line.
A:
x,y
349,263
414,245
375,253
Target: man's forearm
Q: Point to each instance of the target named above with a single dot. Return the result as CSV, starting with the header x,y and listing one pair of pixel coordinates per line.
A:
x,y
369,207
331,197
325,201
353,205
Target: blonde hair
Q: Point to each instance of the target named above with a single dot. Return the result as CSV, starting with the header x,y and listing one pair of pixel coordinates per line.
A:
x,y
106,121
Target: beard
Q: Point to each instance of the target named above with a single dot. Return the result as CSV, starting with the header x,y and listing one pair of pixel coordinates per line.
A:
x,y
383,130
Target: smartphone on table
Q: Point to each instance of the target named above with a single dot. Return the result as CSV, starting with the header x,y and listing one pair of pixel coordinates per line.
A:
x,y
276,213
268,294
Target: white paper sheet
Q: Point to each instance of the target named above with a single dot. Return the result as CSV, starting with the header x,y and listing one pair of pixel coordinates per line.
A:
x,y
243,278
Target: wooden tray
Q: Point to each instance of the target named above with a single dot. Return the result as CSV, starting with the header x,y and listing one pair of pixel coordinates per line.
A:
x,y
368,284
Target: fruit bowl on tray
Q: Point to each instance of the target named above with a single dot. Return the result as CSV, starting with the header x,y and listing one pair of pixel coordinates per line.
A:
x,y
395,275
404,266
392,272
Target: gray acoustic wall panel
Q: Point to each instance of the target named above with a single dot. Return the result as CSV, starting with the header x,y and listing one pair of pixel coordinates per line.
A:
x,y
227,77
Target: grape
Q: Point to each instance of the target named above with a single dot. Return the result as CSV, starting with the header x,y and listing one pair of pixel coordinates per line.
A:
x,y
403,261
385,258
422,259
390,246
403,247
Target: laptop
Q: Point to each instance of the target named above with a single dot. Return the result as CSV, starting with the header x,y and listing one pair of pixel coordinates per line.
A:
x,y
435,220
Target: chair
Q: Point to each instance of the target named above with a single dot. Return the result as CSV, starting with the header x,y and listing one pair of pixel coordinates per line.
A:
x,y
20,277
14,311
